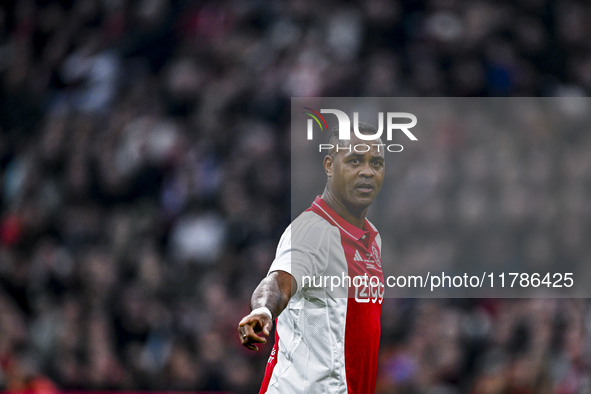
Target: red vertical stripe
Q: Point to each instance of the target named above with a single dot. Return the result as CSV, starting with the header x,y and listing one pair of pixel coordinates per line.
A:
x,y
362,341
271,363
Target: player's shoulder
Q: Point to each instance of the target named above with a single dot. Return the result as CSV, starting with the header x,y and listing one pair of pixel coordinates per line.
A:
x,y
309,225
310,218
310,221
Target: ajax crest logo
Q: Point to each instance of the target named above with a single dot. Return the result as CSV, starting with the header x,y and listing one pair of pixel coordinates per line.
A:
x,y
376,256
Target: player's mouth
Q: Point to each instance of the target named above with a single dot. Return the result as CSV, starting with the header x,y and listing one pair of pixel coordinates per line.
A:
x,y
365,187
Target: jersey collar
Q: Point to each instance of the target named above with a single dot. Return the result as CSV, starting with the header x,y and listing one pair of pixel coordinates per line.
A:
x,y
365,235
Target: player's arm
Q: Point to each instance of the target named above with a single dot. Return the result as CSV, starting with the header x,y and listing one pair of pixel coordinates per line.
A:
x,y
272,293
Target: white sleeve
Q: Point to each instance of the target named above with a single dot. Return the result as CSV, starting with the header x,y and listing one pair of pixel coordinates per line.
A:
x,y
303,250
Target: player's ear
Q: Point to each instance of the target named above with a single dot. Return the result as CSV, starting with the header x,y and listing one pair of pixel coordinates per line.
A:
x,y
328,160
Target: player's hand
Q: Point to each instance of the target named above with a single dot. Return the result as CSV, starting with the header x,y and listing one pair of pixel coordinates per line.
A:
x,y
250,326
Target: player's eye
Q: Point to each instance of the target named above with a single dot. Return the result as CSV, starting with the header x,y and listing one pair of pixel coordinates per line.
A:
x,y
354,161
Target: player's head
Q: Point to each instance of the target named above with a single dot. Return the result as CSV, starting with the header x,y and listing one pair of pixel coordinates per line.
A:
x,y
355,168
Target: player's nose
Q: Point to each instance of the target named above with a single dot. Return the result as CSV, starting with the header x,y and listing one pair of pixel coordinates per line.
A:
x,y
366,170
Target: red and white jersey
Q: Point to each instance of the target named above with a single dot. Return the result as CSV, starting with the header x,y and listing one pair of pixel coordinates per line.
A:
x,y
326,341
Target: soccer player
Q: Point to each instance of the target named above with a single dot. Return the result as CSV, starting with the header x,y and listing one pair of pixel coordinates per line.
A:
x,y
326,341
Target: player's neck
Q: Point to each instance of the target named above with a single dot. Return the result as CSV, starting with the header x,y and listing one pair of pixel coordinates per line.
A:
x,y
350,215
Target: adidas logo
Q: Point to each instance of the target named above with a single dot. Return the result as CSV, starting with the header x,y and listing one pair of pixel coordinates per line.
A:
x,y
357,256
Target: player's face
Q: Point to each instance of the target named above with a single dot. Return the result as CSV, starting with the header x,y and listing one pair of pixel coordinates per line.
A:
x,y
356,177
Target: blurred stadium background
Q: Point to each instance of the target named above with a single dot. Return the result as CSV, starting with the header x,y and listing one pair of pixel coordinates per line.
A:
x,y
145,181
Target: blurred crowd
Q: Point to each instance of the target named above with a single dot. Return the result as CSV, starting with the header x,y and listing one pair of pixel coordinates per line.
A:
x,y
145,182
